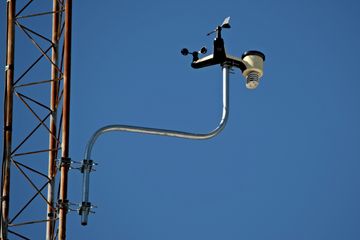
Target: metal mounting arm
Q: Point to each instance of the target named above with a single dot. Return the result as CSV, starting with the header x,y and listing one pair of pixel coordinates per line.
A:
x,y
251,64
87,162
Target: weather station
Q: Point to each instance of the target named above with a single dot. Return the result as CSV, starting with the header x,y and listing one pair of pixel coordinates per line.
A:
x,y
43,185
251,65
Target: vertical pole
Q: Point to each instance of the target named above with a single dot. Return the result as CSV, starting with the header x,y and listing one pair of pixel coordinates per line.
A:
x,y
226,103
8,112
65,122
50,225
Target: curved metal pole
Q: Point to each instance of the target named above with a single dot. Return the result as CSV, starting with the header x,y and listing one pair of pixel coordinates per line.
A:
x,y
87,163
165,132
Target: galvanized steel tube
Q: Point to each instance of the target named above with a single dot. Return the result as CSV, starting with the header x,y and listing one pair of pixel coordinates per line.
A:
x,y
154,131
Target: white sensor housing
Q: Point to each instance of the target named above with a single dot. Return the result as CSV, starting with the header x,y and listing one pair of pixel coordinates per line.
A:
x,y
254,61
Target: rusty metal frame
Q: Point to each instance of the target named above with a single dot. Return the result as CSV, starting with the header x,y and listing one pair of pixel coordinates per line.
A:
x,y
52,121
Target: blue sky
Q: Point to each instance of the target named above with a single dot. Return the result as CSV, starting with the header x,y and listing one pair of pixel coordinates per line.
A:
x,y
285,167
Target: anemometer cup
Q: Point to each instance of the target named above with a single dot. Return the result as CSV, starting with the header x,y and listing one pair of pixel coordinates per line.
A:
x,y
195,54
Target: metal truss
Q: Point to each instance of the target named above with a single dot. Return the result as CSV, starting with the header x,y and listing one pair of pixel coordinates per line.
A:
x,y
36,120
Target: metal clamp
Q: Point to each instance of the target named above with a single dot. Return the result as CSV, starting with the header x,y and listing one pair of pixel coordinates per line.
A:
x,y
63,204
65,162
84,210
87,166
72,207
